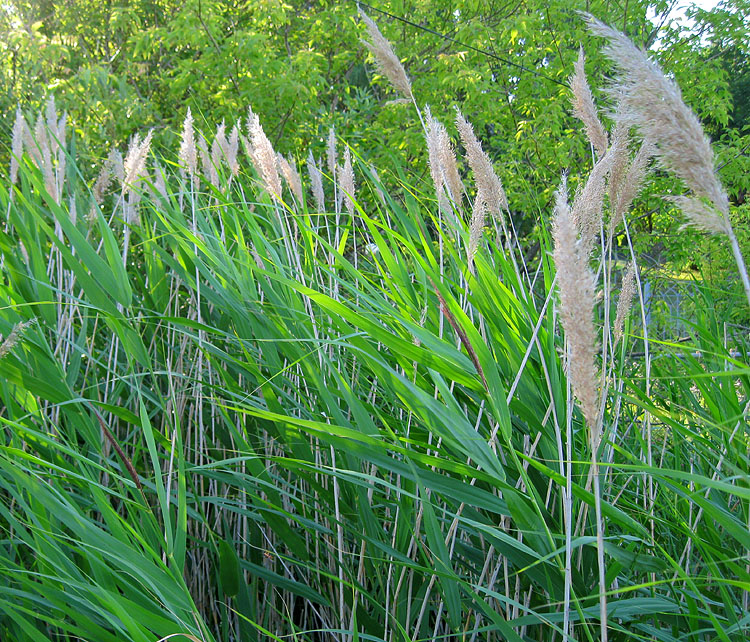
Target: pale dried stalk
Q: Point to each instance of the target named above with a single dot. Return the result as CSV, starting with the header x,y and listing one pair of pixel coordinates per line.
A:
x,y
584,109
386,60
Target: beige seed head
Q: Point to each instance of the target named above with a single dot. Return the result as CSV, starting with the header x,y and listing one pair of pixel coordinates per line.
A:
x,y
316,182
159,182
346,181
331,156
14,337
588,203
386,60
489,186
102,183
576,285
16,150
654,104
448,164
584,109
51,117
135,160
188,155
625,301
231,151
476,228
264,157
218,148
432,136
632,184
291,176
32,143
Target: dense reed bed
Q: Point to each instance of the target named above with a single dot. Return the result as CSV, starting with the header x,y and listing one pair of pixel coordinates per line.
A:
x,y
239,404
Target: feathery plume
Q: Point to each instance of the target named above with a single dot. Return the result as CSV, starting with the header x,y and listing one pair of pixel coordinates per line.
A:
x,y
316,182
16,149
584,109
134,169
620,160
231,150
51,116
652,102
188,155
205,156
627,290
160,184
291,176
101,185
386,60
489,186
631,185
432,136
475,230
447,155
576,285
218,148
14,337
41,154
118,165
135,160
32,143
346,181
264,156
331,156
588,202
72,209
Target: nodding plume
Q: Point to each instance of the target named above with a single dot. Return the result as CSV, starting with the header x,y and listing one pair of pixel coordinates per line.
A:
x,y
386,60
653,103
584,109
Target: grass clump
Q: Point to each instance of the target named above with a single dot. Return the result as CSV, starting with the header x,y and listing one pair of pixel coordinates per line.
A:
x,y
231,412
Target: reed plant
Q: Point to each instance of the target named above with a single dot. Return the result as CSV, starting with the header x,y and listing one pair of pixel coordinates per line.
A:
x,y
240,406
